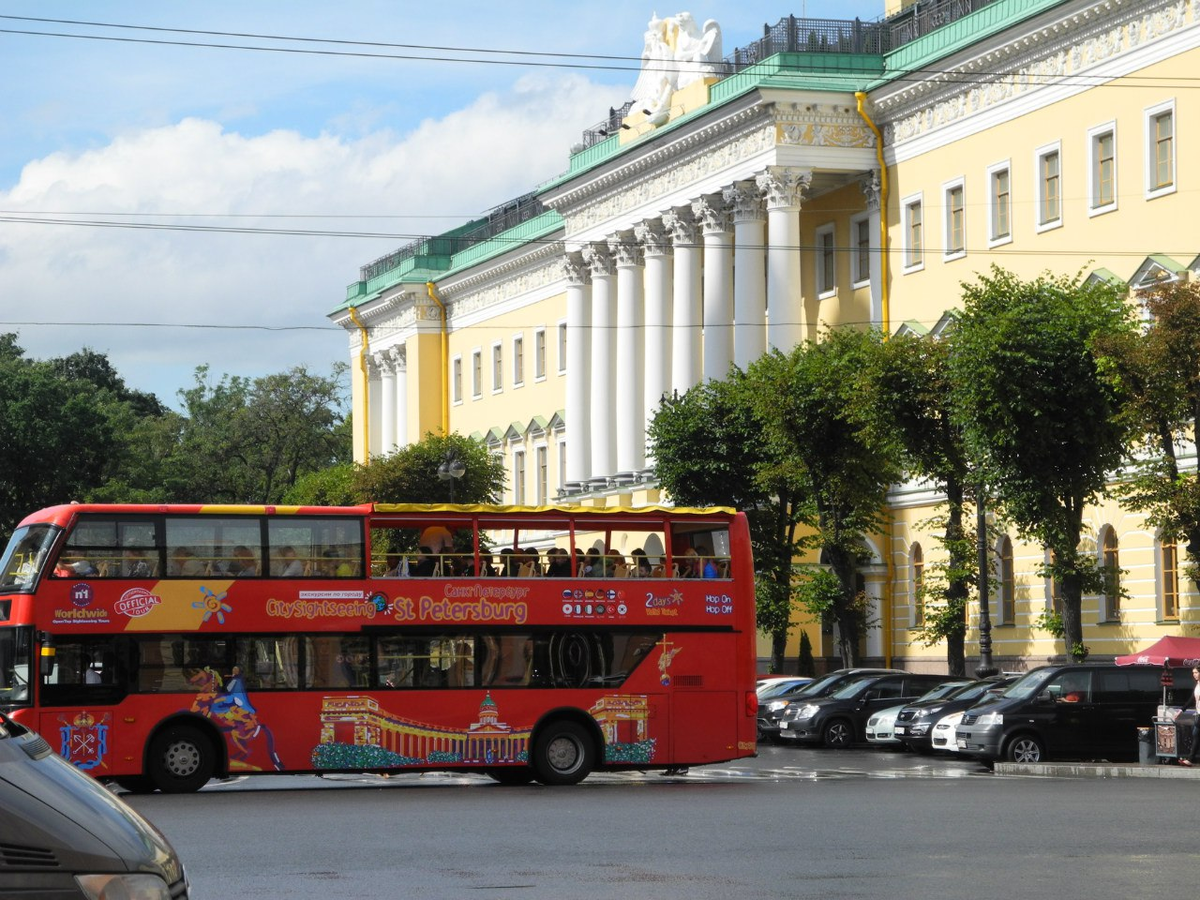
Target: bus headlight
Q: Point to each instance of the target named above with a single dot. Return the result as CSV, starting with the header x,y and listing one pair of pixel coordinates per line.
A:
x,y
123,887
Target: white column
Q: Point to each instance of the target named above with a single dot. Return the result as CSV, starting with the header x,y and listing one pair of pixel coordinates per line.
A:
x,y
871,191
400,361
387,402
657,348
630,418
718,286
783,188
686,309
374,404
749,273
604,350
579,356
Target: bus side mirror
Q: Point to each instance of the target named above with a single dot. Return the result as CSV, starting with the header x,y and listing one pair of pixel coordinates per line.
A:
x,y
47,656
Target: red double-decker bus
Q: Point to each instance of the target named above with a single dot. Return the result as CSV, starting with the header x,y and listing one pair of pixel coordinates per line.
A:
x,y
161,646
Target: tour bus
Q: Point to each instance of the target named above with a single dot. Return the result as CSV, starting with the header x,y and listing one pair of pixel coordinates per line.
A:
x,y
159,646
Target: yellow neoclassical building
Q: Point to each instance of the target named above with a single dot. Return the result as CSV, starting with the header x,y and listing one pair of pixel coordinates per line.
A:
x,y
833,173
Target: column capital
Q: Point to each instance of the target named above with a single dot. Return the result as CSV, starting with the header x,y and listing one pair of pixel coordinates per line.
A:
x,y
653,236
871,189
625,249
598,260
784,187
680,224
745,198
575,269
711,211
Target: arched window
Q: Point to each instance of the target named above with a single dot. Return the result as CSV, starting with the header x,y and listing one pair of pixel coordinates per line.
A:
x,y
1168,579
916,561
1006,583
1110,563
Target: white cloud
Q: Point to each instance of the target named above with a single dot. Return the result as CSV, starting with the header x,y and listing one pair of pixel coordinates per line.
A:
x,y
453,166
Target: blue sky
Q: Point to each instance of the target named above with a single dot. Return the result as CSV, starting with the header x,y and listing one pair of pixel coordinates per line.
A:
x,y
139,131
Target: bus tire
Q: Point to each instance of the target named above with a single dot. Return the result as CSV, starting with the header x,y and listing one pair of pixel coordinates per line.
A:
x,y
563,753
511,776
182,759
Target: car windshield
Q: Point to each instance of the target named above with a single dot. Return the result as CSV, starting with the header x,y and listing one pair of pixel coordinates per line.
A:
x,y
24,557
1027,685
978,689
15,656
774,689
942,691
854,688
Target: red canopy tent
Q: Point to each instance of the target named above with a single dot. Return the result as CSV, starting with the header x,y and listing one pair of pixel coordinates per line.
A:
x,y
1168,651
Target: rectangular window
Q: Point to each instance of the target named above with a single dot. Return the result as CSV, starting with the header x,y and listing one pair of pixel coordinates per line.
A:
x,y
955,237
861,259
999,205
477,374
1049,201
497,367
562,347
457,379
1160,150
543,475
826,273
519,477
539,354
518,361
1102,149
914,237
1170,581
562,465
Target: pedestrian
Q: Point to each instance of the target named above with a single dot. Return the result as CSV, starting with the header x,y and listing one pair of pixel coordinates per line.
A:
x,y
1190,759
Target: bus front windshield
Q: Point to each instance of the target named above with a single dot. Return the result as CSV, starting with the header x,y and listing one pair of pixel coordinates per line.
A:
x,y
24,558
15,666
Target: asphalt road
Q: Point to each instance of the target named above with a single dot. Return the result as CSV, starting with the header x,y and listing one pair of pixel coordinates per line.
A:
x,y
792,823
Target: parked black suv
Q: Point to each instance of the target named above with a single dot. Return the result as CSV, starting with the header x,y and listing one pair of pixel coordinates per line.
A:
x,y
840,719
1080,711
914,723
770,710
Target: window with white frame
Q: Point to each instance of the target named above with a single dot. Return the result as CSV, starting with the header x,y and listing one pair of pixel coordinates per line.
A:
x,y
1006,604
1049,186
914,235
1102,169
955,225
497,367
456,379
826,262
999,204
562,464
916,562
477,374
542,462
562,347
518,354
539,354
518,477
1110,569
1168,580
1160,150
860,257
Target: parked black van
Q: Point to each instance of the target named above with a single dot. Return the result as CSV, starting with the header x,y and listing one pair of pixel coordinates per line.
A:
x,y
1076,711
64,836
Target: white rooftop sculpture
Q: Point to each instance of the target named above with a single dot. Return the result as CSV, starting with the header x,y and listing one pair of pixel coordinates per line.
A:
x,y
676,54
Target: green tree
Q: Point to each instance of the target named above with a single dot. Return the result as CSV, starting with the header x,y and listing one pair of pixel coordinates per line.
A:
x,y
817,407
1158,370
1038,414
914,390
410,475
250,441
708,450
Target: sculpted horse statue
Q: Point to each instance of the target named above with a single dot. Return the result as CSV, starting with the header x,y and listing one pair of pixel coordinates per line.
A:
x,y
228,707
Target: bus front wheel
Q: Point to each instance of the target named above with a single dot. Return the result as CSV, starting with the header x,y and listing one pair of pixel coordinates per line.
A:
x,y
563,754
182,759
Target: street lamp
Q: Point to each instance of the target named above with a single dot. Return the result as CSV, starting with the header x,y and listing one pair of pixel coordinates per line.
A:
x,y
452,469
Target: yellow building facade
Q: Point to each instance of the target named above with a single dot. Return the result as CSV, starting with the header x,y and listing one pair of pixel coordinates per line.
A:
x,y
832,174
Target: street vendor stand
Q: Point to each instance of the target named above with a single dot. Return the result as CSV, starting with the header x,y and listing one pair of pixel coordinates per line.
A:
x,y
1172,738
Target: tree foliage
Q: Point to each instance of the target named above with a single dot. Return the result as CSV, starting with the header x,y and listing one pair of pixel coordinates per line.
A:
x,y
1037,412
410,475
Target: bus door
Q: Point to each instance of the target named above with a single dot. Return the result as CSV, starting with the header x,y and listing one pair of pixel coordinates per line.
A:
x,y
703,718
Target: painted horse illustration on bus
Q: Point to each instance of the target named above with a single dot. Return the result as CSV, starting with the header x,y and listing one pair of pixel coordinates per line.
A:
x,y
227,706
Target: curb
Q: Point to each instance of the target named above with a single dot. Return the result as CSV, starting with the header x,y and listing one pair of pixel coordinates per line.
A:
x,y
1096,770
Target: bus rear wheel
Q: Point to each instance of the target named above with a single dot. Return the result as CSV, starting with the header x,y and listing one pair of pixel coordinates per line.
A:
x,y
182,759
511,775
563,753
